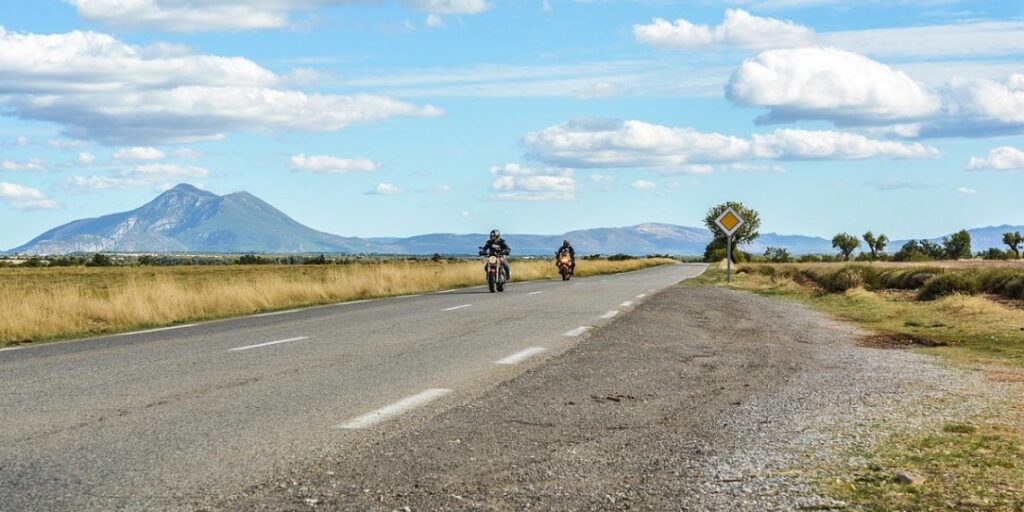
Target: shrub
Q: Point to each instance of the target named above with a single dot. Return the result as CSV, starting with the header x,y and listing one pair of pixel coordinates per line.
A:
x,y
844,279
950,283
905,279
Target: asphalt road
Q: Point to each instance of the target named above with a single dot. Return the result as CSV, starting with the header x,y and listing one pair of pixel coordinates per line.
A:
x,y
170,419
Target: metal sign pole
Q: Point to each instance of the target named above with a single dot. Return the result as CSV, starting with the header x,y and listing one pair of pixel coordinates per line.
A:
x,y
728,260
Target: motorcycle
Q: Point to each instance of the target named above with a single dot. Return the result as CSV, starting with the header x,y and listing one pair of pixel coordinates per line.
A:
x,y
565,266
494,265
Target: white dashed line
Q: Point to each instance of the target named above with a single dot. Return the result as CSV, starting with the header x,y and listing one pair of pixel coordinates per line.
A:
x,y
269,343
274,313
457,307
577,331
642,295
372,418
535,293
12,348
610,314
627,304
520,356
156,330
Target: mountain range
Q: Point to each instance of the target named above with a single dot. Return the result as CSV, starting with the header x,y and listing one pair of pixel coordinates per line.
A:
x,y
185,219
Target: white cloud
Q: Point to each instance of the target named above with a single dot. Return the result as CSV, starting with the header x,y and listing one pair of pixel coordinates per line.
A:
x,y
188,154
644,185
34,164
139,153
162,176
789,144
829,83
102,89
89,183
21,140
85,158
602,178
965,190
1003,158
434,21
26,198
322,164
976,107
739,29
386,189
449,6
516,182
613,143
442,189
597,90
61,144
165,172
186,16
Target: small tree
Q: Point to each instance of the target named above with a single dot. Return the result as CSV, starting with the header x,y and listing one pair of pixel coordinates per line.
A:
x,y
876,244
846,243
99,260
1013,241
777,255
958,245
745,234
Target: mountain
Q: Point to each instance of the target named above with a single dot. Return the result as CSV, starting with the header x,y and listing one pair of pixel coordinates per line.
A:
x,y
187,219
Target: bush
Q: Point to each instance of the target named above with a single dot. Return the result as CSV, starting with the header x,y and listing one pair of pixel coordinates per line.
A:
x,y
620,257
950,283
905,279
846,278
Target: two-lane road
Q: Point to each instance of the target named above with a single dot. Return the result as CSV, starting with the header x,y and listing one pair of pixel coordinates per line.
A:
x,y
168,418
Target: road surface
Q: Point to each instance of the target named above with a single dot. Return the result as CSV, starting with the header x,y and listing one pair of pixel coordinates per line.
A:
x,y
167,419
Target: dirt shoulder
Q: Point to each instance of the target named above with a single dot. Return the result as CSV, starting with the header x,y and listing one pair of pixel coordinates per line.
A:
x,y
700,399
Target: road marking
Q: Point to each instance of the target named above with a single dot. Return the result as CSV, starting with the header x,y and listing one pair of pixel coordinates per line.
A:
x,y
610,314
520,356
457,307
535,293
577,331
269,343
272,313
13,348
652,290
642,295
627,304
372,418
156,330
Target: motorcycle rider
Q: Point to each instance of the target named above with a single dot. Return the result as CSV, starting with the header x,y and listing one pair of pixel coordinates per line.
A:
x,y
567,247
496,246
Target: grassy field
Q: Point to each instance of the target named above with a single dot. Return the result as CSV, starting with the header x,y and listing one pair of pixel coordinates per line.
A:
x,y
40,304
974,465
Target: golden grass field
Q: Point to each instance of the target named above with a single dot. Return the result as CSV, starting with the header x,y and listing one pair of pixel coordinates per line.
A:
x,y
50,303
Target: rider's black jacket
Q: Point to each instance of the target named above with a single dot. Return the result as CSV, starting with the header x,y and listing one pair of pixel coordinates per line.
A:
x,y
496,247
572,252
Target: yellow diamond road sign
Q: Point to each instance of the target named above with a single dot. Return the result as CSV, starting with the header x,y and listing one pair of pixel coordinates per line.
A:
x,y
729,221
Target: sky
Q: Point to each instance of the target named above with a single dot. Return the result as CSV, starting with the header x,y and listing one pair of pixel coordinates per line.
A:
x,y
404,117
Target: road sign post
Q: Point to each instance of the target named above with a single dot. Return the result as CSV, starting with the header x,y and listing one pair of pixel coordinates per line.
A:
x,y
729,222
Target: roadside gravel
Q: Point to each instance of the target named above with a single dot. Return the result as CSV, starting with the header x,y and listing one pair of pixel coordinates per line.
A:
x,y
699,399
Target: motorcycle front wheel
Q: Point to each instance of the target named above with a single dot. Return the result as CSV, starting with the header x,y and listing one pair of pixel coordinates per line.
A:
x,y
491,278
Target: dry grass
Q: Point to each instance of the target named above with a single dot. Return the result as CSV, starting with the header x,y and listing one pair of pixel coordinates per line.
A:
x,y
51,303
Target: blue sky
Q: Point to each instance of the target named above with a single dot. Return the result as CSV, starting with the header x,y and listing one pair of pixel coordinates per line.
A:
x,y
401,117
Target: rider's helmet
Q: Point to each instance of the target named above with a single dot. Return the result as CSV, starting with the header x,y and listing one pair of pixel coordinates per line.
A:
x,y
495,234
565,243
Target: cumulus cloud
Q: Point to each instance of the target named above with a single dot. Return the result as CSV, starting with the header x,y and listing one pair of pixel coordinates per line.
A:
x,y
90,183
829,83
25,198
85,158
644,185
515,182
102,89
139,153
151,175
789,144
385,189
34,164
323,164
612,143
190,16
739,29
1004,158
965,190
975,107
631,143
434,21
165,172
21,140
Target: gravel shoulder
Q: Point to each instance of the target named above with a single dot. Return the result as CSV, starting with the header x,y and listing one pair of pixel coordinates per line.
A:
x,y
701,398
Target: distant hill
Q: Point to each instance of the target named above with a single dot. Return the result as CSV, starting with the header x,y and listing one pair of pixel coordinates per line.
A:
x,y
982,239
187,219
